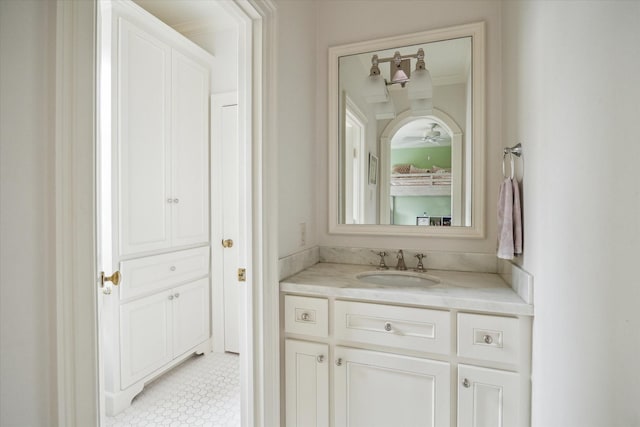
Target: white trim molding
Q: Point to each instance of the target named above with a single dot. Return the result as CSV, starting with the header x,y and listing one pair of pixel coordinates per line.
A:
x,y
76,288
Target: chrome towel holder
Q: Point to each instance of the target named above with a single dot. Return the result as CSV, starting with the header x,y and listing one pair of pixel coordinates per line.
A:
x,y
516,150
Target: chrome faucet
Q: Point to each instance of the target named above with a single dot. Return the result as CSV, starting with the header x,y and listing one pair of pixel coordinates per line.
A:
x,y
382,265
401,265
420,267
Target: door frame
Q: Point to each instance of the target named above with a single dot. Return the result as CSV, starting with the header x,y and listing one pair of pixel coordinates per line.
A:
x,y
77,362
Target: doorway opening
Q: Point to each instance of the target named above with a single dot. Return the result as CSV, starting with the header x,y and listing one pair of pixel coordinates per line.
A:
x,y
163,222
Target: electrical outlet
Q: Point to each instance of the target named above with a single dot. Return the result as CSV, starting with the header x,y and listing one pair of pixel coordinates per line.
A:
x,y
303,233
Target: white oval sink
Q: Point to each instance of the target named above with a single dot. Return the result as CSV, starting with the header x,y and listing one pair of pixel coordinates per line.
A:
x,y
398,278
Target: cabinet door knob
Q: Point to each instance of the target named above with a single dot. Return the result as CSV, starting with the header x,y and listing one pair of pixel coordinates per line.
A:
x,y
387,326
169,200
466,383
339,361
170,297
227,243
172,268
487,339
177,295
176,200
305,316
320,358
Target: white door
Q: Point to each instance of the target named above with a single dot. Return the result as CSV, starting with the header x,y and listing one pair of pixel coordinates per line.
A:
x,y
190,315
189,152
374,389
145,334
226,211
307,384
141,131
487,397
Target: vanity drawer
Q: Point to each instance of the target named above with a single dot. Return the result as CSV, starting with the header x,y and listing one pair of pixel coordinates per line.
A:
x,y
306,315
418,329
485,337
144,275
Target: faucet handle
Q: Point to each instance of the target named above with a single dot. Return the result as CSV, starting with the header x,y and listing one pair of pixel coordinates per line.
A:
x,y
420,267
382,265
420,256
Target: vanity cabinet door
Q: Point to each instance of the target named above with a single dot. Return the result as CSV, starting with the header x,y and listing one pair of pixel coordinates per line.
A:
x,y
381,389
488,398
307,384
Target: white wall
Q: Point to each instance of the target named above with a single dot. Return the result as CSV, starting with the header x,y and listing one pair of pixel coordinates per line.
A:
x,y
297,164
27,300
340,22
571,95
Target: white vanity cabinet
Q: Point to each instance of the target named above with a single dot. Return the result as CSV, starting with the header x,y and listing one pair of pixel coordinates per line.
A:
x,y
397,365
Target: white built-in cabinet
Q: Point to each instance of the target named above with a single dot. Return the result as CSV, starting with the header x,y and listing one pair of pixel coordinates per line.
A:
x,y
392,365
162,143
157,329
155,88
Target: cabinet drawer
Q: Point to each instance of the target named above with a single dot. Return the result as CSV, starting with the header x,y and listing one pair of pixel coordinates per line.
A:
x,y
402,327
305,315
485,337
148,274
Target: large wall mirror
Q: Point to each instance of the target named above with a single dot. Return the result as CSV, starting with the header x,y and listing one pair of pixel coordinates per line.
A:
x,y
406,134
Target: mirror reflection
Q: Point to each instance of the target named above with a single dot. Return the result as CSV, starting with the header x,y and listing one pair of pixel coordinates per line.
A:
x,y
405,117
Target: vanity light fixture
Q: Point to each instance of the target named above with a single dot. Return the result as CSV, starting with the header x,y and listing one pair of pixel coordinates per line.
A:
x,y
419,88
375,88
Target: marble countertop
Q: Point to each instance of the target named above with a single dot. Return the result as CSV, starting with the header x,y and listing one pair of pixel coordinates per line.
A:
x,y
459,290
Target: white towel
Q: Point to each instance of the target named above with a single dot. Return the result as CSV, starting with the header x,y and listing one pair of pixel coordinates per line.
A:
x,y
509,220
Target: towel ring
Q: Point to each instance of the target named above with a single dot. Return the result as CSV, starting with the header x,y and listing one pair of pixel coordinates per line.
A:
x,y
512,165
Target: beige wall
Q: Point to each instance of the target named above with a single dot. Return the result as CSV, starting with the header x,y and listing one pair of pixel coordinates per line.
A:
x,y
298,168
27,297
571,95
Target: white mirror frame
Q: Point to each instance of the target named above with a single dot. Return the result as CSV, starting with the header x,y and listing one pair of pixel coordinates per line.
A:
x,y
477,32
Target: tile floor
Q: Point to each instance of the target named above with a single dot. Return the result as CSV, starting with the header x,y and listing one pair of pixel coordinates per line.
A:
x,y
202,391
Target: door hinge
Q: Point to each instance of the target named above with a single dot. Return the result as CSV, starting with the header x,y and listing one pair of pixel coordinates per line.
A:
x,y
242,275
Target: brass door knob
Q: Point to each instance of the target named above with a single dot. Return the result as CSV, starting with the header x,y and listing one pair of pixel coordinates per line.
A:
x,y
227,243
114,278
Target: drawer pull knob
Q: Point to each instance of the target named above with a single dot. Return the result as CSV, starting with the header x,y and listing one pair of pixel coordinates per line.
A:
x,y
466,383
170,297
320,358
169,200
487,339
339,361
177,295
176,200
387,326
172,268
305,317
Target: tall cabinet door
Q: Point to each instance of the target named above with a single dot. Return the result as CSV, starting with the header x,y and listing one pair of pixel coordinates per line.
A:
x,y
380,389
487,397
307,384
143,136
189,151
145,339
190,315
